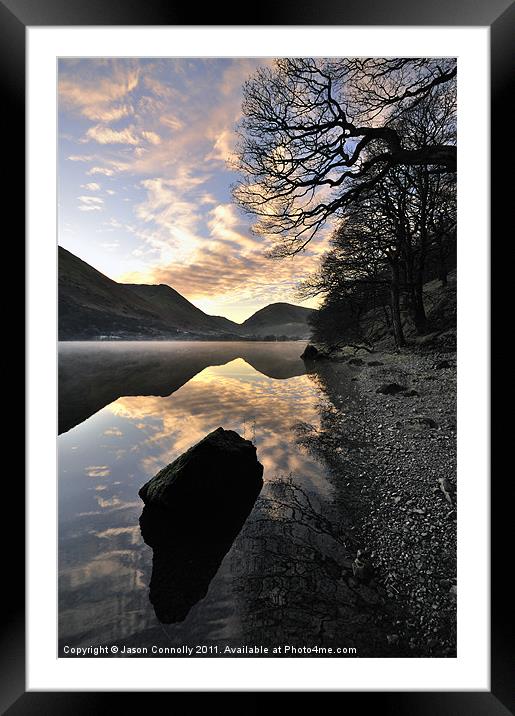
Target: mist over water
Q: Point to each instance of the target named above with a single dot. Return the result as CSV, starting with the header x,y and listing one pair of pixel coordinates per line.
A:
x,y
126,411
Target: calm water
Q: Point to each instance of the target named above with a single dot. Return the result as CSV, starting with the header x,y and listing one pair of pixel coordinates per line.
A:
x,y
128,409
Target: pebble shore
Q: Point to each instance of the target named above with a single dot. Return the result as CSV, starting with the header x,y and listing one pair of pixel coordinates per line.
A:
x,y
389,435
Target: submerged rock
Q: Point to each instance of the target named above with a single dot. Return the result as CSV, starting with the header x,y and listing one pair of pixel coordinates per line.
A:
x,y
194,509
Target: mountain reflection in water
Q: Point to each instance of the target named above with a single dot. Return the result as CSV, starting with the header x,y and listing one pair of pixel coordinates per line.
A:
x,y
92,375
130,409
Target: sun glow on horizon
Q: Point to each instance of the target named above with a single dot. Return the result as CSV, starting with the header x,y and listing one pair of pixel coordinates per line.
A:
x,y
144,183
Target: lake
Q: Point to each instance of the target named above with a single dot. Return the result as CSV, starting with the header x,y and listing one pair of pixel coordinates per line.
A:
x,y
128,409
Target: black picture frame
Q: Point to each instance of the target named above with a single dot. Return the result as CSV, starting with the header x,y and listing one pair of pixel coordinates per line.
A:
x,y
499,16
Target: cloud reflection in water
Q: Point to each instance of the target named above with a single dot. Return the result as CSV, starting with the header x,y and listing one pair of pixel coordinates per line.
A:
x,y
104,564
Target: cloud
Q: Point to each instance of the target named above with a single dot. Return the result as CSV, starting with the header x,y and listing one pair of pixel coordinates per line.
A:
x,y
158,88
171,122
171,148
169,216
193,135
109,502
151,137
90,203
113,223
225,225
225,265
106,135
80,158
113,432
113,167
91,186
109,114
101,170
97,471
223,147
133,533
99,97
90,199
207,198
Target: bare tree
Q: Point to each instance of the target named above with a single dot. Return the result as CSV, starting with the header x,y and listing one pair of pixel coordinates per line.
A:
x,y
391,240
428,193
366,261
318,133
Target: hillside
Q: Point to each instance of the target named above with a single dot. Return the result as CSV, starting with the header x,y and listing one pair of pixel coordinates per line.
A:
x,y
94,307
91,305
177,311
279,319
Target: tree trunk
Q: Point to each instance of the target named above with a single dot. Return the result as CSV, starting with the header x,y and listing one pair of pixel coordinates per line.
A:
x,y
410,283
419,315
442,268
395,302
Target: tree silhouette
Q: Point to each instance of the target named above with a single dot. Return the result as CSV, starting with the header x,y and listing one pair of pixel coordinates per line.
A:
x,y
317,134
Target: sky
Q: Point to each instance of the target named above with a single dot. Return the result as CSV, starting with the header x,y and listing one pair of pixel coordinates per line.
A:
x,y
144,182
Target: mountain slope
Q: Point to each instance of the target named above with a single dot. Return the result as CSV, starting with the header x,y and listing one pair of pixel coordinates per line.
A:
x,y
279,319
91,305
177,311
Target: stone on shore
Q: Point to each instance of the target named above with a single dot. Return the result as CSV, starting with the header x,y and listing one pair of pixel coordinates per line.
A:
x,y
311,353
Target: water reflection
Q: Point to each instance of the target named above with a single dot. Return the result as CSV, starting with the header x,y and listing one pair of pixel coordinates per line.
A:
x,y
189,541
284,576
92,375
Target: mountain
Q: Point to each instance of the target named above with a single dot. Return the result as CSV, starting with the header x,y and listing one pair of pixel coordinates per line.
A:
x,y
279,319
178,312
91,305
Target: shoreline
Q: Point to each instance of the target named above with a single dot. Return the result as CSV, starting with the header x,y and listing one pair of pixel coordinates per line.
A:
x,y
393,458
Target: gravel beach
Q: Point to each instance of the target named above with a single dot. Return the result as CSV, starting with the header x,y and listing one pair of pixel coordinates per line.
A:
x,y
389,435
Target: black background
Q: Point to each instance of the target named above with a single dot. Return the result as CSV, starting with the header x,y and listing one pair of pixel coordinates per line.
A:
x,y
15,15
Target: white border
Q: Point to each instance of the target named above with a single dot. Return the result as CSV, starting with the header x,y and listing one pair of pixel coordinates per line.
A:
x,y
470,670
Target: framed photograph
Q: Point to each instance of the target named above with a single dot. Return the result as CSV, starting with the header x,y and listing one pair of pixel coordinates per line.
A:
x,y
257,265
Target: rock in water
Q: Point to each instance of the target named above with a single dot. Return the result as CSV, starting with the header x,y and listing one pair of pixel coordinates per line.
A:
x,y
220,462
194,509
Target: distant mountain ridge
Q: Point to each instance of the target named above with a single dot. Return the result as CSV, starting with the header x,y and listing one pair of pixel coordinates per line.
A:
x,y
94,307
279,319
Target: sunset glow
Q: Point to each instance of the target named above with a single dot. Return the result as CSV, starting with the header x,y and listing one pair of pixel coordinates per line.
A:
x,y
144,184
